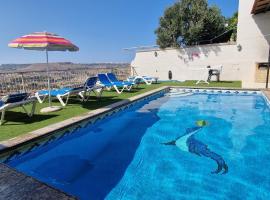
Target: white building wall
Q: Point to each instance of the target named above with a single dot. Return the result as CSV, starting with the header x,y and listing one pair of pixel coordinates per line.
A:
x,y
186,64
252,36
189,63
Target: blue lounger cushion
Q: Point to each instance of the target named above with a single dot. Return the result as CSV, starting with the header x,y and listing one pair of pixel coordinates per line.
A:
x,y
1,103
147,77
14,98
112,84
104,79
106,82
61,91
91,82
54,92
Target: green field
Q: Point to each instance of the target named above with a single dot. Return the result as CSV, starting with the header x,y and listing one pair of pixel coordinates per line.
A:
x,y
18,123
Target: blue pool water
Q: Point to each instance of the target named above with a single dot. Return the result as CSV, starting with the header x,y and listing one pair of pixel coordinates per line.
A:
x,y
124,156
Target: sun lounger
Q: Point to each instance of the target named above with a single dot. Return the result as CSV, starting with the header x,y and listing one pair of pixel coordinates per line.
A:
x,y
147,79
16,100
60,94
114,79
64,93
91,86
119,87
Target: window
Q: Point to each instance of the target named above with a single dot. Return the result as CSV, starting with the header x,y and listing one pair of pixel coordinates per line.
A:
x,y
261,72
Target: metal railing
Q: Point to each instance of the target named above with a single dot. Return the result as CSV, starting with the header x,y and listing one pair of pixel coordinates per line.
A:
x,y
12,82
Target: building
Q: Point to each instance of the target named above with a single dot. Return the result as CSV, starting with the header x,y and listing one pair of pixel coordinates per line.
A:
x,y
243,60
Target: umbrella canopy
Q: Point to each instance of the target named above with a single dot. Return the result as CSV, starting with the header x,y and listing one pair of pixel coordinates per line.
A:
x,y
43,41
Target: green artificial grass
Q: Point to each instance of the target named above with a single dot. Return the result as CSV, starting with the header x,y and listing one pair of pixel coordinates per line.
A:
x,y
19,123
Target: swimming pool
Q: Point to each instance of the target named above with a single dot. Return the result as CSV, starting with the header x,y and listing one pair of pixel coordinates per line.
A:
x,y
204,145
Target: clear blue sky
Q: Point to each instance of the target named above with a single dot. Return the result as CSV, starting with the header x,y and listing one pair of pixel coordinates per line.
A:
x,y
101,28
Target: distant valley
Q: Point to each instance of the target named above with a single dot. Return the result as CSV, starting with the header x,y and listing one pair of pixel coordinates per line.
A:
x,y
58,66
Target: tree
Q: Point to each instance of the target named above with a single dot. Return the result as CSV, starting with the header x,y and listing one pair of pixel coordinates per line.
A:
x,y
189,22
232,25
169,27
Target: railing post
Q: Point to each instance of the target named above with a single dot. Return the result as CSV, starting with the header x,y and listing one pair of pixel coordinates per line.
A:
x,y
23,82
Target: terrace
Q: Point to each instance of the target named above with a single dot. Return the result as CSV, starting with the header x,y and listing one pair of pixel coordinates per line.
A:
x,y
185,139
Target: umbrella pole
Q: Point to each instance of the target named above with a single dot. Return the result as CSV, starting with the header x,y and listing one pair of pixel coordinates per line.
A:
x,y
50,108
48,74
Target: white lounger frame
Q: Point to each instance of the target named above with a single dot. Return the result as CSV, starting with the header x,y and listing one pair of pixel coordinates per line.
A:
x,y
22,104
97,90
119,91
147,82
42,97
204,75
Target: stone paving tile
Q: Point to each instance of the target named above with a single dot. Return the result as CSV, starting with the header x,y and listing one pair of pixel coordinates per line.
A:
x,y
15,185
8,178
267,93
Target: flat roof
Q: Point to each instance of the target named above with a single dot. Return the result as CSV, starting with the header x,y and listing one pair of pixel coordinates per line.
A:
x,y
260,6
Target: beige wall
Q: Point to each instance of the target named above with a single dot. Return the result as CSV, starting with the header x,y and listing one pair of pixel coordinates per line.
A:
x,y
186,63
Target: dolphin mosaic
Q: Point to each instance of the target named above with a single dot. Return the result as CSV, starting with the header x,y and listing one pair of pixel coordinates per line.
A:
x,y
189,143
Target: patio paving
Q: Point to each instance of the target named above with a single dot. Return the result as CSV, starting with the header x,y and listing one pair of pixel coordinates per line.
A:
x,y
15,185
267,93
